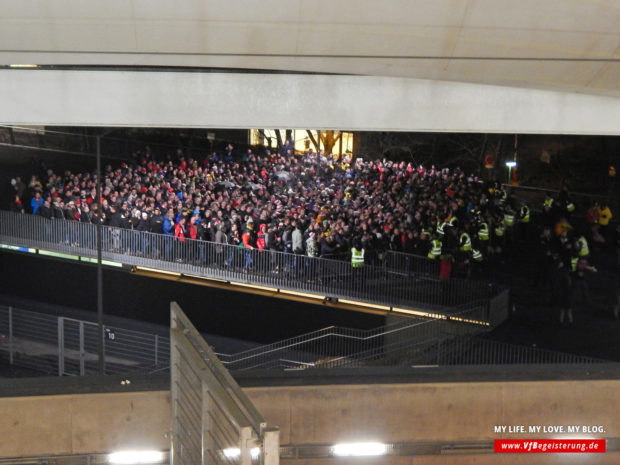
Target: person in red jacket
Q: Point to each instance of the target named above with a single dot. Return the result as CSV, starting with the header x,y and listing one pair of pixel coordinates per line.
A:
x,y
247,240
180,229
192,229
260,237
179,232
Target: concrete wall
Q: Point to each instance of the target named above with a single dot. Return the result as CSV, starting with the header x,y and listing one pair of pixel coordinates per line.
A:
x,y
77,424
327,414
220,100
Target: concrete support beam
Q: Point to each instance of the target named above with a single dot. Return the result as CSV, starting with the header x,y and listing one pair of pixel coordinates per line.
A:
x,y
235,100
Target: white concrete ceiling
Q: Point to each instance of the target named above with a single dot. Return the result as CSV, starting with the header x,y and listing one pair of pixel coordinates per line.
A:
x,y
566,45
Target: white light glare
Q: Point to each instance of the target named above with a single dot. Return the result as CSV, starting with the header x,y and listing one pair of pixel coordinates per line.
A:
x,y
131,457
358,449
511,164
19,65
234,452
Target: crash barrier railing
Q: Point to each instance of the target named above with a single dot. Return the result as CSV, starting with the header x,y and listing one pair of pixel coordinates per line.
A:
x,y
409,264
213,421
271,270
53,344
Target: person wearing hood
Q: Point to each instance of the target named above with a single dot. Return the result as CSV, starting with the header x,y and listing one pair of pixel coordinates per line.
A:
x,y
312,246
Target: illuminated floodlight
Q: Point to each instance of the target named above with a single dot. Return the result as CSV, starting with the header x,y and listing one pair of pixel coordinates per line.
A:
x,y
235,452
135,457
511,164
359,449
23,66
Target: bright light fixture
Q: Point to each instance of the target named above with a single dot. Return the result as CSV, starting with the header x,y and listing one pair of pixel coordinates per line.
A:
x,y
511,164
23,66
235,452
131,457
359,449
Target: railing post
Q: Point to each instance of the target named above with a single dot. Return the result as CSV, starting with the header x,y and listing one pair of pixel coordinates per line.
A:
x,y
11,335
246,443
156,350
81,348
61,346
271,447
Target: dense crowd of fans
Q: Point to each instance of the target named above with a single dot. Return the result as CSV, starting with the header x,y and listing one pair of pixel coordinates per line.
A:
x,y
323,205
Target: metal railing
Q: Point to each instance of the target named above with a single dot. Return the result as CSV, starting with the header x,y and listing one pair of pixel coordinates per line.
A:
x,y
51,344
411,264
338,346
270,269
213,421
461,350
65,346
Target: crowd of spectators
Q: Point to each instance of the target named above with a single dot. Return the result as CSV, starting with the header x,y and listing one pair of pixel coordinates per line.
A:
x,y
323,206
314,204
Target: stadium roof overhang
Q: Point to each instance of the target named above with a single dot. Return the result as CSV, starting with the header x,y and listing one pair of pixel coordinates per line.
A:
x,y
427,47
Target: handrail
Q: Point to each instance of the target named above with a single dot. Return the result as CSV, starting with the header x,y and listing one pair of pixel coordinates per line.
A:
x,y
270,269
236,401
332,331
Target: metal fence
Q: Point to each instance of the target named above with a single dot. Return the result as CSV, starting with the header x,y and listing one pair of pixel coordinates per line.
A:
x,y
51,344
213,421
270,269
346,347
66,346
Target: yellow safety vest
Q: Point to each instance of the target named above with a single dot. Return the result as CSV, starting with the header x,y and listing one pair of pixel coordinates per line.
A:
x,y
525,214
357,257
440,227
509,220
583,250
499,230
435,249
477,255
573,263
570,207
483,233
467,245
548,203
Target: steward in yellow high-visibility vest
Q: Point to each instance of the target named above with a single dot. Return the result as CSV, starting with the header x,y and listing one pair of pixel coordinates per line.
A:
x,y
440,228
357,257
525,214
570,207
509,219
483,232
548,203
464,242
582,247
435,251
477,255
573,264
499,230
